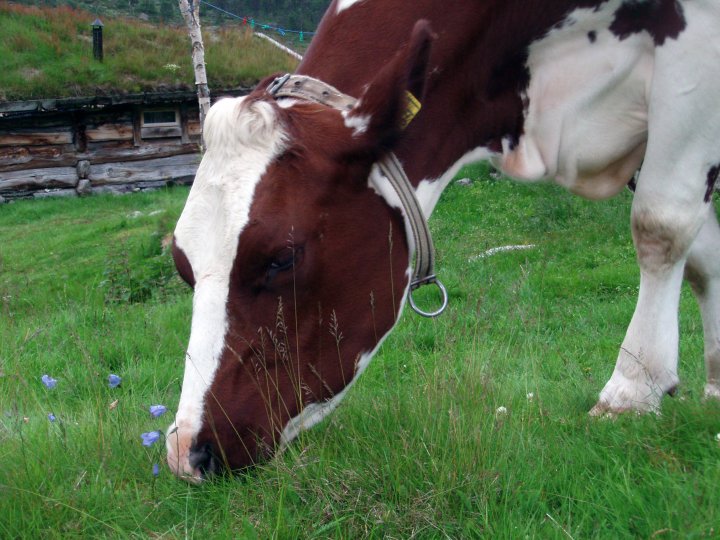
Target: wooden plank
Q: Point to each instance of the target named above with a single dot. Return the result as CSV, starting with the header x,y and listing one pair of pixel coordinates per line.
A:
x,y
38,178
175,168
109,132
194,129
121,189
160,132
144,98
20,106
14,158
103,153
137,140
184,122
45,193
80,136
35,137
10,196
108,116
39,157
43,121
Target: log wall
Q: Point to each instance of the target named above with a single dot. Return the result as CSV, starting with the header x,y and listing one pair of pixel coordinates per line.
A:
x,y
97,145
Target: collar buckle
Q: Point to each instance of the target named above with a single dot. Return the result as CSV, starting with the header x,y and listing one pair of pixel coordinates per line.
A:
x,y
275,86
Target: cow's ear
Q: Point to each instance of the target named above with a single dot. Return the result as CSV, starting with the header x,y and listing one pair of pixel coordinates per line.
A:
x,y
393,96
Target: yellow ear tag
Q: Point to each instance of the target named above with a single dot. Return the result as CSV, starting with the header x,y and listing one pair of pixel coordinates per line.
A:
x,y
413,107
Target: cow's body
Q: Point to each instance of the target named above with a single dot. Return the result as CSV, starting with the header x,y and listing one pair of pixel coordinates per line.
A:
x,y
580,92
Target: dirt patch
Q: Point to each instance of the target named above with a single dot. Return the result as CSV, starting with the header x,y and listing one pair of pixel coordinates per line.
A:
x,y
29,73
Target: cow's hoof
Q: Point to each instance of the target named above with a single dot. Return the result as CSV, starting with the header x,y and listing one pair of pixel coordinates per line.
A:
x,y
621,395
603,409
712,391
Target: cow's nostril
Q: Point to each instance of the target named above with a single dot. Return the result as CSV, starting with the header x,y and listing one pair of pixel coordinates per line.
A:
x,y
204,459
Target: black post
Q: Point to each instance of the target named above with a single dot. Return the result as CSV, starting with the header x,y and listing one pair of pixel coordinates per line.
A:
x,y
97,27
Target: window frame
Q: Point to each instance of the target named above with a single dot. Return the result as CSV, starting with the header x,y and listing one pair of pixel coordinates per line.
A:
x,y
175,123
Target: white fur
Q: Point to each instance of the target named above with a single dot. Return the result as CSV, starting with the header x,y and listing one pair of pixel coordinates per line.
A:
x,y
342,5
428,191
241,140
586,123
286,103
357,123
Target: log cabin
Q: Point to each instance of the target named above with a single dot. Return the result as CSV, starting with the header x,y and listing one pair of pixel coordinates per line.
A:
x,y
105,143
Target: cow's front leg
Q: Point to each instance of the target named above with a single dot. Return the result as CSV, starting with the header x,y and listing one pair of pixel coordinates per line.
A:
x,y
646,367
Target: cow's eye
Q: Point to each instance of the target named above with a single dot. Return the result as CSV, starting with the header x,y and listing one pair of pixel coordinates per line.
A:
x,y
285,260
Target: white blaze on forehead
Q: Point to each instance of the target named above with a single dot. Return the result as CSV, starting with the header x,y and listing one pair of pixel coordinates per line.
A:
x,y
242,139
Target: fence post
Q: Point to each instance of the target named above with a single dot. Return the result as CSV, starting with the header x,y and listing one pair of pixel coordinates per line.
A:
x,y
97,27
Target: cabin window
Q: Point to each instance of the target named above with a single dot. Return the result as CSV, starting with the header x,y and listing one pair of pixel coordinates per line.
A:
x,y
160,124
160,118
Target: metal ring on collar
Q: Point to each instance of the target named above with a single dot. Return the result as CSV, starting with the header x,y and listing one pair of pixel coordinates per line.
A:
x,y
427,281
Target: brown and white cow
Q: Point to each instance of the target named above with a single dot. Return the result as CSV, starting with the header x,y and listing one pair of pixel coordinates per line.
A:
x,y
297,247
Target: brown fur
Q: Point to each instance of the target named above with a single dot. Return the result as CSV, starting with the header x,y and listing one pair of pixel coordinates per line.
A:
x,y
296,334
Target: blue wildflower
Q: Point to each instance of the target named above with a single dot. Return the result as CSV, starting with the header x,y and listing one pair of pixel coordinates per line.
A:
x,y
157,410
48,381
150,438
114,380
51,417
156,469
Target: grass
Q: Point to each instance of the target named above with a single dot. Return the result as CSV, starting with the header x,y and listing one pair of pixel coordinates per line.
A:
x,y
47,52
418,449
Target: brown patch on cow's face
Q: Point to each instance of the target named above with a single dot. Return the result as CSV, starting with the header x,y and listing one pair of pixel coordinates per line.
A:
x,y
317,281
662,19
183,265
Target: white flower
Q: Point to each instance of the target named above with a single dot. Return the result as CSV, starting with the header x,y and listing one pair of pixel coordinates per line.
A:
x,y
717,437
530,396
171,67
501,410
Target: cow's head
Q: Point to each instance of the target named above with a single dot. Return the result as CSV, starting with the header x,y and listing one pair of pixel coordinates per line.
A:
x,y
299,265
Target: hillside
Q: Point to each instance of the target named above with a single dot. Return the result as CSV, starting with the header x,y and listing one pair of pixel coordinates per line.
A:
x,y
47,52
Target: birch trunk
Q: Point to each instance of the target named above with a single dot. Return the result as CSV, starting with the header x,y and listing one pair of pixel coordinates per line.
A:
x,y
190,10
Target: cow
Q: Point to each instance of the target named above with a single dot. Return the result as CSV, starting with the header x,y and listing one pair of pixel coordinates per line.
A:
x,y
298,242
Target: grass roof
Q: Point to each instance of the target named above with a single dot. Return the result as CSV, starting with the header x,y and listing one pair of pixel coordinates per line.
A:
x,y
48,52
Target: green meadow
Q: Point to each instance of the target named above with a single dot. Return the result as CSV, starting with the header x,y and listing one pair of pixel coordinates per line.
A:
x,y
472,425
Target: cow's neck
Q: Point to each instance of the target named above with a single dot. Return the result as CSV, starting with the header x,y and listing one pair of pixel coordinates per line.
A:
x,y
454,125
473,105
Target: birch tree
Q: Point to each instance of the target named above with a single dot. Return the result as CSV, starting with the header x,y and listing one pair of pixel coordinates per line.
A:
x,y
190,10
